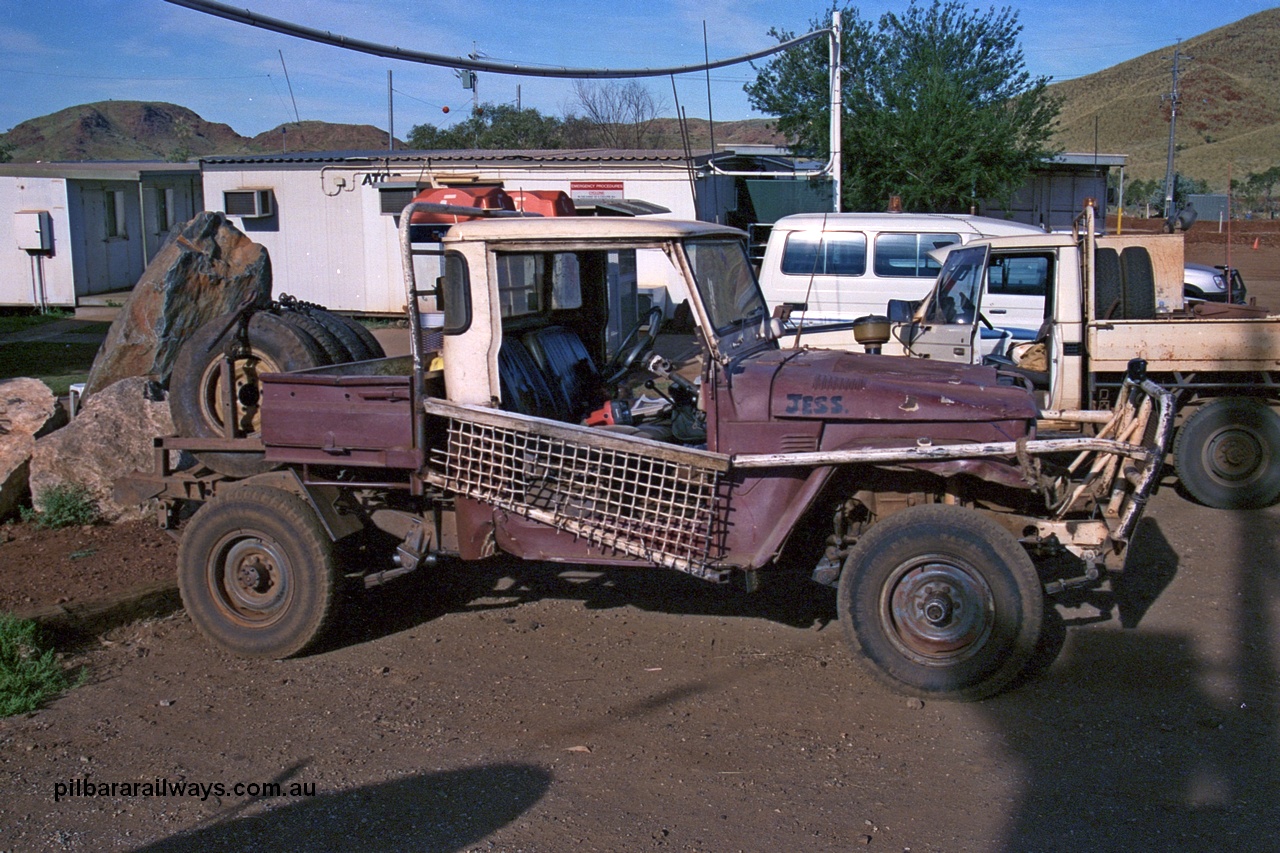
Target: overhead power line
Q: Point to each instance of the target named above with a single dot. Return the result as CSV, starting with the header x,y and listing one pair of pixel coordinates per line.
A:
x,y
244,16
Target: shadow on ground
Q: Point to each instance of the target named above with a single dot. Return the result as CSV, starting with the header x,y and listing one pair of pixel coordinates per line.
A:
x,y
440,812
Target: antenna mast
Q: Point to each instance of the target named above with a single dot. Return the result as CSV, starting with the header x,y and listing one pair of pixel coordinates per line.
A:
x,y
1175,101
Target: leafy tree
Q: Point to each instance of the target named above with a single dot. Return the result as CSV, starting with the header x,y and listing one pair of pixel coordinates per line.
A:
x,y
939,108
6,152
1145,193
492,126
1256,190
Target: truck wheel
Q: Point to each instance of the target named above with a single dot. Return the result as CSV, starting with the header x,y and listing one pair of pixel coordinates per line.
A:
x,y
257,573
335,350
1227,454
940,602
197,395
354,336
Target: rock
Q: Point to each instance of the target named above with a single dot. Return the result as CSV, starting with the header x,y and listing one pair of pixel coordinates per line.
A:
x,y
27,409
110,437
205,269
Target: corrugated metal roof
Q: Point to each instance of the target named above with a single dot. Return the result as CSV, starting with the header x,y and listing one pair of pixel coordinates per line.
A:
x,y
465,157
98,170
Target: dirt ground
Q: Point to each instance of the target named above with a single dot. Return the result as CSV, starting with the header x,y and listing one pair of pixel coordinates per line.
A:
x,y
516,707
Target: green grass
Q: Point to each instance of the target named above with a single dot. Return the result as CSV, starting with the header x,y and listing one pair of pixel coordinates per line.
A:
x,y
57,365
30,673
21,320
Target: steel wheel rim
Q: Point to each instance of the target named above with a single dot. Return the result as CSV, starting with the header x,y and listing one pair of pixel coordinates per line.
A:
x,y
1235,455
249,576
937,610
248,393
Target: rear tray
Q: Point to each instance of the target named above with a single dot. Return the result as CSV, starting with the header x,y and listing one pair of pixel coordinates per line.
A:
x,y
330,419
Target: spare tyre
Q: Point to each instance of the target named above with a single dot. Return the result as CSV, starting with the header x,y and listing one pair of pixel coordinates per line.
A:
x,y
357,339
335,350
197,393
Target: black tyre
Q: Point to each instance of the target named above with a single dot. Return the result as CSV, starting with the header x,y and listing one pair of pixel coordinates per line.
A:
x,y
257,572
1227,454
197,394
335,351
939,601
361,346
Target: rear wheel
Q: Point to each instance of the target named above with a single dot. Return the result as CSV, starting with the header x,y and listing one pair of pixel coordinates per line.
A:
x,y
198,394
257,572
939,601
1227,454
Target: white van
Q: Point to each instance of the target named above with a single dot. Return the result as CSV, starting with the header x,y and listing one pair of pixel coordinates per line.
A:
x,y
846,265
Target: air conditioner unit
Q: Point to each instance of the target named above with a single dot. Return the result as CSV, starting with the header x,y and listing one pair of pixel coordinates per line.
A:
x,y
249,203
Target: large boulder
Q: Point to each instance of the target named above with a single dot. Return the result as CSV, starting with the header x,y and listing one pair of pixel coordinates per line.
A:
x,y
27,409
206,268
110,436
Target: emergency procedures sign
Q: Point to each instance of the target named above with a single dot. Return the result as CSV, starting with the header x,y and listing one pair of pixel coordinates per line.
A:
x,y
596,190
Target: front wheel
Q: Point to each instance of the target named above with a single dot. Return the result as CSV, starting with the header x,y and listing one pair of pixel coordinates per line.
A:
x,y
257,572
1227,454
940,602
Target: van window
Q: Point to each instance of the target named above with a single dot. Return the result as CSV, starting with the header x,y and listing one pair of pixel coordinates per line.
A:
x,y
907,254
833,253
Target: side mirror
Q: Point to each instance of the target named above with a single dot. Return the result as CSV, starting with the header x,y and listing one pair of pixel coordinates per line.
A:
x,y
783,310
901,310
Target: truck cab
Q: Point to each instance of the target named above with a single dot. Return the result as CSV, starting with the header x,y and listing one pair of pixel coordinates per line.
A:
x,y
1105,300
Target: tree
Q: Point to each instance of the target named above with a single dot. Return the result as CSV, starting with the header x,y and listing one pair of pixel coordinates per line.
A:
x,y
492,126
938,107
614,114
6,152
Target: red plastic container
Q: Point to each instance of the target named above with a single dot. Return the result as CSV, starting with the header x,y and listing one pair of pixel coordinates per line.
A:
x,y
484,198
544,202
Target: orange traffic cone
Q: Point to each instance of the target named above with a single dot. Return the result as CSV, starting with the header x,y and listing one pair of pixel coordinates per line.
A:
x,y
1255,242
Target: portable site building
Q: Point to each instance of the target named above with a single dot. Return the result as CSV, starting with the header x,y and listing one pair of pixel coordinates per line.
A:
x,y
329,219
73,230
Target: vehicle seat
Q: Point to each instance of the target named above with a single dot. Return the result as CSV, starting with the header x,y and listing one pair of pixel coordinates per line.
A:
x,y
568,369
523,386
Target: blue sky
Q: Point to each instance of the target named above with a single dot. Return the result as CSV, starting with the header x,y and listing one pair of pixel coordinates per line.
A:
x,y
59,53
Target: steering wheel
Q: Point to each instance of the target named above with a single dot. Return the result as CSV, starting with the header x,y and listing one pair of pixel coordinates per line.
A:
x,y
634,345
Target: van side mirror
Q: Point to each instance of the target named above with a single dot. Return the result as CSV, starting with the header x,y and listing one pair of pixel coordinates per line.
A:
x,y
901,310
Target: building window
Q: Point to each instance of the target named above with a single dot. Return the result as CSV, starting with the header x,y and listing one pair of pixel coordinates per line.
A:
x,y
114,204
164,210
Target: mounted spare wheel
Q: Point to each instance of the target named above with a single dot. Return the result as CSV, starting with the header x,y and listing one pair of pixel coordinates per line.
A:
x,y
358,340
198,393
335,350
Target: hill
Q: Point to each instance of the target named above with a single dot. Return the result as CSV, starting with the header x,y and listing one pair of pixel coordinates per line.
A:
x,y
143,130
1230,112
139,130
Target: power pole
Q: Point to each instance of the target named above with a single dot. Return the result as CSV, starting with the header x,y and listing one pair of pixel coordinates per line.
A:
x,y
1175,101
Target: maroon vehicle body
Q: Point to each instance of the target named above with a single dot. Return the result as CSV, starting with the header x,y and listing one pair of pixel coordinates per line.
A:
x,y
933,486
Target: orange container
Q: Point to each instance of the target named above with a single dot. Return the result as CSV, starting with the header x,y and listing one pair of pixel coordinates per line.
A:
x,y
544,202
484,198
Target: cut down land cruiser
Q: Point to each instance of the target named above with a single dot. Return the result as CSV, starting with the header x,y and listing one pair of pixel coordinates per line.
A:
x,y
519,424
